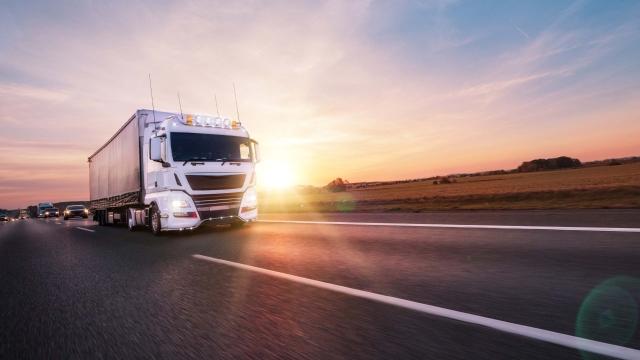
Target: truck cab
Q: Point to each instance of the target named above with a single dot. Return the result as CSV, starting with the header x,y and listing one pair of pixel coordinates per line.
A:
x,y
201,168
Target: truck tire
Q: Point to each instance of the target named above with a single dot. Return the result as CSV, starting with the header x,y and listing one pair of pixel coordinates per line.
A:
x,y
105,218
130,221
102,218
154,219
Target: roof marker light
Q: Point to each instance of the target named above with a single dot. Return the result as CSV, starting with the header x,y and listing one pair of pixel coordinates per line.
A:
x,y
203,120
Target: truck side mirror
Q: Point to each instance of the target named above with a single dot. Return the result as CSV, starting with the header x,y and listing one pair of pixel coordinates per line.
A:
x,y
155,149
256,153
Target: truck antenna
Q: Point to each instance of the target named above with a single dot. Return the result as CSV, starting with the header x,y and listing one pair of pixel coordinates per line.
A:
x,y
217,108
180,103
236,97
153,106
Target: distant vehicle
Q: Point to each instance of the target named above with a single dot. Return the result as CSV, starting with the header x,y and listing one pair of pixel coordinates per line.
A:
x,y
23,214
76,211
51,212
171,171
4,216
42,207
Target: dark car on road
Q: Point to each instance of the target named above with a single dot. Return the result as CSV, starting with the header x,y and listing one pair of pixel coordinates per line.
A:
x,y
51,212
4,216
76,211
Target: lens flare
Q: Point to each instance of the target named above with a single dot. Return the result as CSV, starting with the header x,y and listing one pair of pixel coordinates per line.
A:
x,y
610,312
274,174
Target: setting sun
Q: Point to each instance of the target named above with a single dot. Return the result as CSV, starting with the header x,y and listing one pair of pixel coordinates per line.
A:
x,y
275,174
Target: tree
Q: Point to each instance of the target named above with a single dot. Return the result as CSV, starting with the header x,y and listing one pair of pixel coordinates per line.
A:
x,y
562,162
337,185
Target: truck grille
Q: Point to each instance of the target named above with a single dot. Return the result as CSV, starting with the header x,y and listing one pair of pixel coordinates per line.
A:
x,y
217,205
215,182
205,215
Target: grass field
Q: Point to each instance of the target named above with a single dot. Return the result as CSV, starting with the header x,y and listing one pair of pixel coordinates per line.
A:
x,y
582,188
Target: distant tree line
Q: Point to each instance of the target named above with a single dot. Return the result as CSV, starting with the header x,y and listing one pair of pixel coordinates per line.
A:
x,y
337,185
562,162
557,163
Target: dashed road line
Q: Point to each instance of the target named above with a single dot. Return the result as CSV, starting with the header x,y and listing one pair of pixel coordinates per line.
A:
x,y
85,229
574,342
461,226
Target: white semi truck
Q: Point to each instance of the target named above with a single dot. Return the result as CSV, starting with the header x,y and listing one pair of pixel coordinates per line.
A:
x,y
172,171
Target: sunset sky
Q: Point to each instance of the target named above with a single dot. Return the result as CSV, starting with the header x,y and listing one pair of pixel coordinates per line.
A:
x,y
364,90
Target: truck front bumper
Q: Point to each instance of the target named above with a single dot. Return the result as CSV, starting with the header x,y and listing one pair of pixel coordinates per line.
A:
x,y
181,211
227,216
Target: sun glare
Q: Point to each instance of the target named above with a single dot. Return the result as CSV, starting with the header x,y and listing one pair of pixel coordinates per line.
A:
x,y
275,175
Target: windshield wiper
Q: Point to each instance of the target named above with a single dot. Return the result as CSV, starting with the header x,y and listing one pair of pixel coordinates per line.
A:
x,y
202,159
193,159
230,161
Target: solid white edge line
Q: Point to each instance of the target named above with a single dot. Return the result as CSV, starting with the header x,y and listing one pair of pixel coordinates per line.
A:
x,y
460,226
574,342
85,229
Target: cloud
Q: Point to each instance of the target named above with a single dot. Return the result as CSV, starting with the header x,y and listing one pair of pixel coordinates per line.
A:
x,y
522,32
31,92
494,89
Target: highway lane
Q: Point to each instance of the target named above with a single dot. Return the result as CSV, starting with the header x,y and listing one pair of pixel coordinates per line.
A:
x,y
81,293
588,217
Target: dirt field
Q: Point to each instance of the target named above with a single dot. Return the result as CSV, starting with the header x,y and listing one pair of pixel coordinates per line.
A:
x,y
594,187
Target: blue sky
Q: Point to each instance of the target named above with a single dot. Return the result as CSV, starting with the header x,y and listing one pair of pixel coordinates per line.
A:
x,y
408,88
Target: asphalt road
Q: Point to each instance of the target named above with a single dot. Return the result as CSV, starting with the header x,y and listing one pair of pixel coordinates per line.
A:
x,y
71,289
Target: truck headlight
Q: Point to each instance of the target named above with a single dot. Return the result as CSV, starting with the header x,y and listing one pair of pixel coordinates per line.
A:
x,y
249,200
177,204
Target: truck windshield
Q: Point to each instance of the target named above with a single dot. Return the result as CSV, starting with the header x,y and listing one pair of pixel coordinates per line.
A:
x,y
209,147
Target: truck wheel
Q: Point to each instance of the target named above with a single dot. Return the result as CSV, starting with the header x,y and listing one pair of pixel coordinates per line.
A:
x,y
156,224
102,218
130,221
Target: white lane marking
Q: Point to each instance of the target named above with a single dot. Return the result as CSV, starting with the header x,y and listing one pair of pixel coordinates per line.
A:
x,y
85,229
58,223
460,226
504,326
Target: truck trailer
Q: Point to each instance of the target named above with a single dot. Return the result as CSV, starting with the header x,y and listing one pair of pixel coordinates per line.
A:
x,y
172,171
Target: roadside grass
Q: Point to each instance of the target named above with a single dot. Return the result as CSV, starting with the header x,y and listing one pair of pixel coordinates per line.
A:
x,y
582,188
